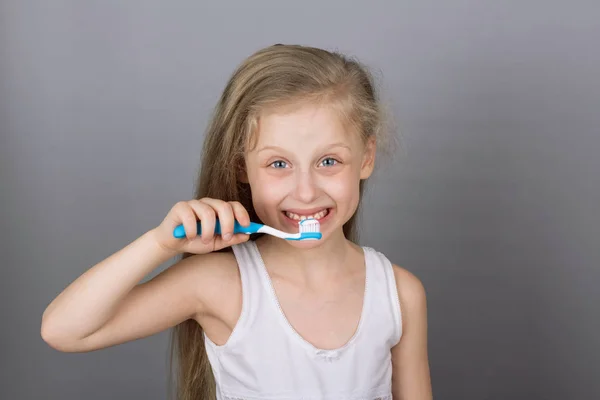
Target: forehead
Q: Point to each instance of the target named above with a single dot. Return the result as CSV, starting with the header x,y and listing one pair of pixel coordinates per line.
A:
x,y
304,125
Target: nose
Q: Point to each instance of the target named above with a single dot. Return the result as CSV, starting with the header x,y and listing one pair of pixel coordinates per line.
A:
x,y
306,189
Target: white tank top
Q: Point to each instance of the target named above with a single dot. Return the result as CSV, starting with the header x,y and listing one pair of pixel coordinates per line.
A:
x,y
266,359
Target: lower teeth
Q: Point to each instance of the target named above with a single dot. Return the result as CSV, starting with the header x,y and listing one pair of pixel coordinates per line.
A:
x,y
322,215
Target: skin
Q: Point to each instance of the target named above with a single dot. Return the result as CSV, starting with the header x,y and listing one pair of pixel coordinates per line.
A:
x,y
304,160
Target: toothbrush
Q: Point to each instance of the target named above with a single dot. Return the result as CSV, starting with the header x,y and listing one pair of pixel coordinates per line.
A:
x,y
309,230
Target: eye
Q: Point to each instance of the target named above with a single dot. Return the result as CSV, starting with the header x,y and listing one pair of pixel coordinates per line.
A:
x,y
279,164
329,162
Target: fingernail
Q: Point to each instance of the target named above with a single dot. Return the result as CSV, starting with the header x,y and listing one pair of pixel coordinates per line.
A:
x,y
227,236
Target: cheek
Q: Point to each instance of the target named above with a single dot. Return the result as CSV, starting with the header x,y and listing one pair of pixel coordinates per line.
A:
x,y
344,188
267,190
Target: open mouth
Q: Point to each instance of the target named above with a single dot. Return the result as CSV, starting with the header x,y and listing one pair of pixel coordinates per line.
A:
x,y
297,216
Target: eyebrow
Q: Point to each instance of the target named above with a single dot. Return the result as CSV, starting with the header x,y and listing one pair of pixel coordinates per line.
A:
x,y
277,148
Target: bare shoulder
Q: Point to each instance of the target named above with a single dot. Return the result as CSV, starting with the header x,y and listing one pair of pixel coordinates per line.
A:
x,y
216,266
215,279
411,291
408,283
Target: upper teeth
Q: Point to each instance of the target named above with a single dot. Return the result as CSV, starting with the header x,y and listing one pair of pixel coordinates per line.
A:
x,y
318,215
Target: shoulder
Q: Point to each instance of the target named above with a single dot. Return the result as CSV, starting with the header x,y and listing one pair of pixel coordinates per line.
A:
x,y
412,298
410,288
213,278
217,265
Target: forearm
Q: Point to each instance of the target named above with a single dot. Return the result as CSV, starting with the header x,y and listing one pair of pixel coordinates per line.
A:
x,y
90,301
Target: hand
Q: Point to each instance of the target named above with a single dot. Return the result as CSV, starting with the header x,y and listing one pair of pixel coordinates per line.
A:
x,y
206,210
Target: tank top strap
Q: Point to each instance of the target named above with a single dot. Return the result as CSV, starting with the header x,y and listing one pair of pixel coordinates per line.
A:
x,y
252,288
383,302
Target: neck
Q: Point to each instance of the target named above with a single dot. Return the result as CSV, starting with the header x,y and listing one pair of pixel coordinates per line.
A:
x,y
328,259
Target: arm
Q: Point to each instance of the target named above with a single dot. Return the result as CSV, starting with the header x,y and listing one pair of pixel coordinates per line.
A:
x,y
107,306
410,376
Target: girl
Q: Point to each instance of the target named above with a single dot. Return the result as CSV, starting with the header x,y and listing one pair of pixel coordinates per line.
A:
x,y
294,135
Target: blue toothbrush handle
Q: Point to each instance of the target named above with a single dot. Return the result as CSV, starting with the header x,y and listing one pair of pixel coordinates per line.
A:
x,y
179,231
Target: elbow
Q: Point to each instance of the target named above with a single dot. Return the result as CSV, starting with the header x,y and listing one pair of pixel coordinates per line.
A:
x,y
55,337
51,337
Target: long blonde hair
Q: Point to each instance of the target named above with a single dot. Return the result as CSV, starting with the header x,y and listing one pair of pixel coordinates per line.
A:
x,y
275,76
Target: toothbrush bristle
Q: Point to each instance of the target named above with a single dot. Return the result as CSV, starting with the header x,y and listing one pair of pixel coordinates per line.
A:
x,y
309,225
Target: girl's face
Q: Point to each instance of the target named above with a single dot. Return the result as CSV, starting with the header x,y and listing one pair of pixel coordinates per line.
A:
x,y
306,163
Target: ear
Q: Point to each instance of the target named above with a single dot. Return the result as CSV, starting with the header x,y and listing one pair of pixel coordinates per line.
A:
x,y
242,175
240,166
368,161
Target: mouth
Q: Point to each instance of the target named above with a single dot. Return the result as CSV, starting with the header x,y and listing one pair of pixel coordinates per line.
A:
x,y
299,215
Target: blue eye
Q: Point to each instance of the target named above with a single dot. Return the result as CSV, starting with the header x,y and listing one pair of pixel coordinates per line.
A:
x,y
279,164
329,162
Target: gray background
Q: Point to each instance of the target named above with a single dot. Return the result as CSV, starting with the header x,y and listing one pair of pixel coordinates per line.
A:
x,y
491,202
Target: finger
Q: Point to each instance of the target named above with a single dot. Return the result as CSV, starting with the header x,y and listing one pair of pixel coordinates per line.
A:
x,y
236,239
227,220
225,216
240,213
207,218
186,215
